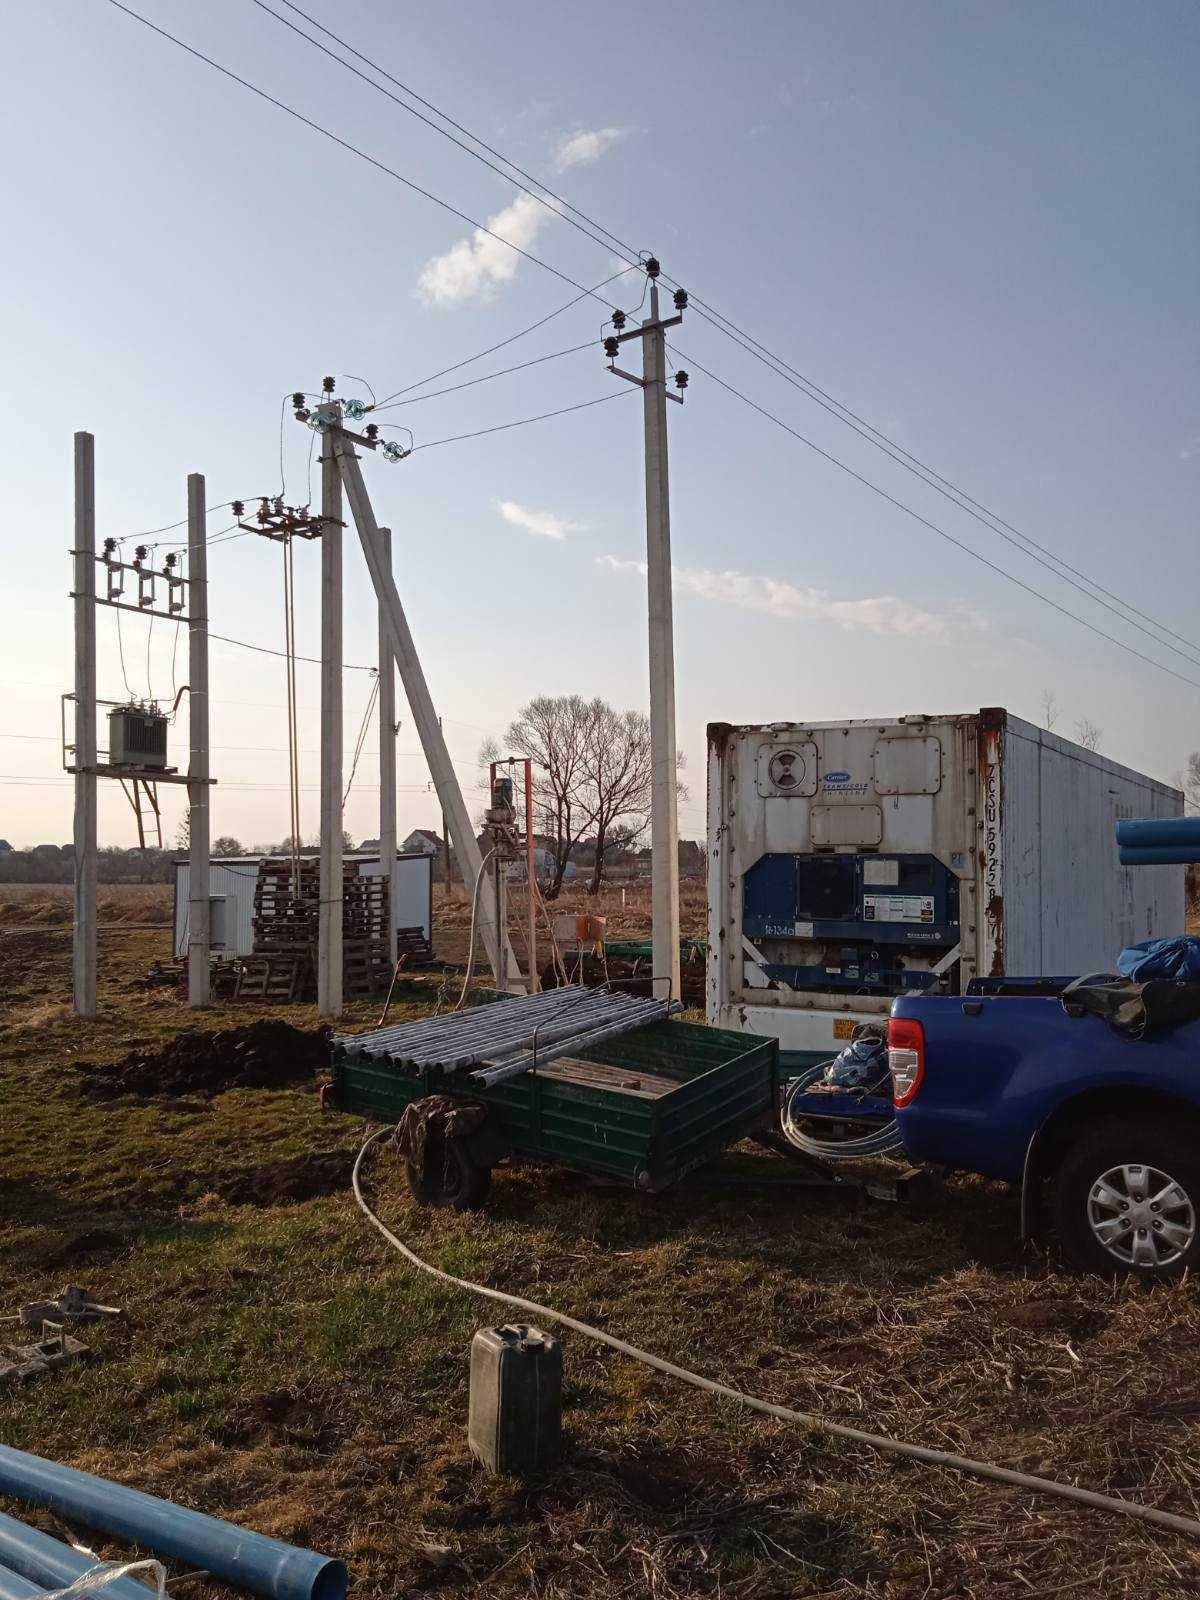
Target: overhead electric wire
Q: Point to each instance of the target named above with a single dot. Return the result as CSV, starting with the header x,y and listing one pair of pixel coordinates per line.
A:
x,y
710,313
565,211
345,144
561,208
265,650
487,377
521,422
512,339
933,526
959,497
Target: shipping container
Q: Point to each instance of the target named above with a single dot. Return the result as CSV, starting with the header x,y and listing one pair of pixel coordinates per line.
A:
x,y
231,881
850,862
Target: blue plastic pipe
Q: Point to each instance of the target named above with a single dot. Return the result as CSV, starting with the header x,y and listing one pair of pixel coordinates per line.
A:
x,y
41,1563
251,1560
1158,855
1152,832
14,1587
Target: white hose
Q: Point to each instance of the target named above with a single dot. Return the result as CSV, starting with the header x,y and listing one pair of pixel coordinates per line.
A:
x,y
501,933
814,1424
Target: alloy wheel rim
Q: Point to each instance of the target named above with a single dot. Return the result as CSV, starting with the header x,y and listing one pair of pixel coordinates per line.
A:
x,y
1141,1216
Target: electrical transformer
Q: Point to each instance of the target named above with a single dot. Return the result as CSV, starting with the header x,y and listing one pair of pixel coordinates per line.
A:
x,y
852,862
137,738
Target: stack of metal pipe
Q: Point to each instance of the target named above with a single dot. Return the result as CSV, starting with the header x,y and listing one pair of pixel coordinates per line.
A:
x,y
498,1041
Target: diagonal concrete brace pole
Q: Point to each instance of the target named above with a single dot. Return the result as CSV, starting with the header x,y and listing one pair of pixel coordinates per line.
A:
x,y
420,701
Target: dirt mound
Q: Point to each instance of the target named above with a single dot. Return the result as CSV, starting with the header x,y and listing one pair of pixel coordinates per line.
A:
x,y
289,1182
266,1055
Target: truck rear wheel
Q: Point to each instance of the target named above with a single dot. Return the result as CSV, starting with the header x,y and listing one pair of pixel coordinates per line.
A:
x,y
1126,1199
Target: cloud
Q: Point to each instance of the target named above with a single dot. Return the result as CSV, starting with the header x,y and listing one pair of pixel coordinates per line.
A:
x,y
476,265
587,145
1190,448
874,613
544,523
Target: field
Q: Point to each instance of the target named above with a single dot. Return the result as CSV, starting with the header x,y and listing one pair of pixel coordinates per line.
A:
x,y
278,1365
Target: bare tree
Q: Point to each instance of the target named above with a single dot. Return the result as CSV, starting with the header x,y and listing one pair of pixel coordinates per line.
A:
x,y
1189,782
616,772
1087,734
1050,708
552,731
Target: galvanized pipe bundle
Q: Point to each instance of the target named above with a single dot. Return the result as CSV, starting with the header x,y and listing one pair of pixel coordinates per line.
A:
x,y
511,1036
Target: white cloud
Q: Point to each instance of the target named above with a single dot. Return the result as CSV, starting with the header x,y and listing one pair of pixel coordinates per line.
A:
x,y
544,523
587,145
476,265
874,613
1190,448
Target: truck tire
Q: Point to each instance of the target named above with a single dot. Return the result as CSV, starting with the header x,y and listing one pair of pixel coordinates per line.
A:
x,y
1126,1199
459,1182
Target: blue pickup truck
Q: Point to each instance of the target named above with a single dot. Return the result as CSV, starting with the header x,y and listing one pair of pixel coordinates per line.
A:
x,y
1096,1130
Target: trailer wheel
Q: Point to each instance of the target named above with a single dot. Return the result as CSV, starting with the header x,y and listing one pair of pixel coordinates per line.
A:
x,y
455,1181
1126,1199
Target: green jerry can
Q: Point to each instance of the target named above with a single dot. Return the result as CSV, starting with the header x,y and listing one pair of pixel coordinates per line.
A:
x,y
515,1421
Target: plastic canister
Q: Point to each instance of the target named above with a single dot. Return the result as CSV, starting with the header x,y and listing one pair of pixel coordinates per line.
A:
x,y
515,1420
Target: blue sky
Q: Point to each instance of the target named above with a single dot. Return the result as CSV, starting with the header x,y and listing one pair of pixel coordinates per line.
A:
x,y
976,225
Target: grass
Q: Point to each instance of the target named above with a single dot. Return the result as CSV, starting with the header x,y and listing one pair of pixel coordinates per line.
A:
x,y
279,1366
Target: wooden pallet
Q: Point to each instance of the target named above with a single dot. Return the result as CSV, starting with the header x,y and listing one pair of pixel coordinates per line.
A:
x,y
277,978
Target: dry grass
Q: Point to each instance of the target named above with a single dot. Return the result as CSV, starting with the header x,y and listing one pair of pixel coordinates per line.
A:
x,y
279,1366
51,904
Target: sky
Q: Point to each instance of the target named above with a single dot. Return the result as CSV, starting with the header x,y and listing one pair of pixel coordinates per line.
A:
x,y
976,226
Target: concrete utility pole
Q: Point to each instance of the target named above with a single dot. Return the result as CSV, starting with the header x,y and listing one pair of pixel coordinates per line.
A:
x,y
84,945
329,927
199,903
387,754
416,689
664,812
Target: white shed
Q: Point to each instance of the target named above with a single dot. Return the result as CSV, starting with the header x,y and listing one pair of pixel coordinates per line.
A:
x,y
231,893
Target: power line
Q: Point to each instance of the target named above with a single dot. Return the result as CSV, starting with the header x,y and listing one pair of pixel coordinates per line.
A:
x,y
933,526
710,313
486,377
567,212
345,144
957,497
604,243
512,338
522,422
265,650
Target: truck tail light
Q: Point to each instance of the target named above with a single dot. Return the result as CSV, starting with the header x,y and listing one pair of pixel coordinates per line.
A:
x,y
906,1058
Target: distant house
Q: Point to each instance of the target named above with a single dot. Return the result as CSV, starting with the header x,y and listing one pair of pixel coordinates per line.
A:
x,y
5,848
369,844
422,841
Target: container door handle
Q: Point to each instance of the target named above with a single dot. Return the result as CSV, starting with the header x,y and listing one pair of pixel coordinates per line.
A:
x,y
972,1007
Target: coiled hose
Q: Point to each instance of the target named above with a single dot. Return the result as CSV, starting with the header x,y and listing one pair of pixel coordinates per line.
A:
x,y
807,1420
881,1142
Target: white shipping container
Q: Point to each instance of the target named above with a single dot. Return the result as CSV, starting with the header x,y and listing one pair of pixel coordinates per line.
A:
x,y
231,898
853,861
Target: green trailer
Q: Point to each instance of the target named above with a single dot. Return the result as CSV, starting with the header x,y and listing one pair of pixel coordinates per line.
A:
x,y
644,1108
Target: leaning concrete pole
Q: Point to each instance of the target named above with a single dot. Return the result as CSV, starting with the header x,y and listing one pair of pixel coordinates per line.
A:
x,y
329,927
420,702
84,938
387,755
199,822
664,815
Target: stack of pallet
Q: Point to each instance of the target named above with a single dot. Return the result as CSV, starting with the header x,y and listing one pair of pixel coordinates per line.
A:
x,y
287,904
